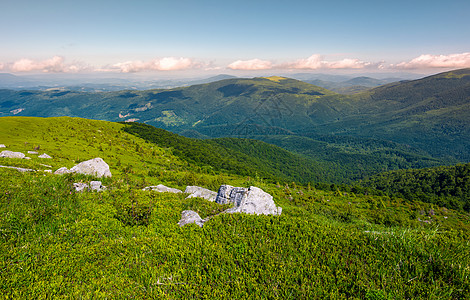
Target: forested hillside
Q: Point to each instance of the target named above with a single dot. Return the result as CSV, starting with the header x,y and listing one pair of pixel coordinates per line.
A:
x,y
445,186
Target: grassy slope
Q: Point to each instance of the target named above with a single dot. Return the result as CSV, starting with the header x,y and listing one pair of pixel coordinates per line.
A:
x,y
125,243
235,156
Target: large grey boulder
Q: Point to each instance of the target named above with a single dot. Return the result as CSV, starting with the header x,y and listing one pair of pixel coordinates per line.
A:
x,y
11,154
250,200
189,217
197,191
161,188
96,167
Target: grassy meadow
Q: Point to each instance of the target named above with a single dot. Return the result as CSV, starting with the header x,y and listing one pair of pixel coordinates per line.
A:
x,y
125,243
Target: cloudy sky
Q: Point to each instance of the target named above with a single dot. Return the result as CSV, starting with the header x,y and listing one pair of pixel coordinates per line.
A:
x,y
237,37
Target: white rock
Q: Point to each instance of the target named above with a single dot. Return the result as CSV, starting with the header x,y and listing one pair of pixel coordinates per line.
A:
x,y
44,155
32,152
62,170
96,167
196,191
161,188
189,217
97,186
251,201
2,146
11,154
48,171
19,169
26,157
80,186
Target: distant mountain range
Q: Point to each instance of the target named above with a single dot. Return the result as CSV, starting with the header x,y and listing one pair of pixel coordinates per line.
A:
x,y
415,123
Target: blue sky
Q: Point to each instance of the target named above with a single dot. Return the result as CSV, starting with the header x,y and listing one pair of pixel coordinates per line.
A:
x,y
233,36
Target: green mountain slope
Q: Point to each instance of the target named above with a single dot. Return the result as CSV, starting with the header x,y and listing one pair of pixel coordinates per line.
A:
x,y
236,156
125,242
430,114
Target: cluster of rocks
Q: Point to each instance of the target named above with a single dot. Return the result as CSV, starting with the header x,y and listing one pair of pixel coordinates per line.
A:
x,y
11,154
252,200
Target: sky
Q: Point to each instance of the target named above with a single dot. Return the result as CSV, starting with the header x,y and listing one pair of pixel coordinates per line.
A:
x,y
182,38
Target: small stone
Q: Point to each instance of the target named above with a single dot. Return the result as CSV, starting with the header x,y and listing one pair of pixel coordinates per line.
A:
x,y
62,170
189,217
161,188
80,186
32,152
97,186
2,146
44,155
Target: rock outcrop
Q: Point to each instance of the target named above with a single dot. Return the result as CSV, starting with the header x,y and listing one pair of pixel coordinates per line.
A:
x,y
189,217
44,155
161,188
11,154
250,200
96,167
196,191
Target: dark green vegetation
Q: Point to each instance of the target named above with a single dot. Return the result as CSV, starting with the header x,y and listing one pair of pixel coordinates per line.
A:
x,y
445,186
235,156
125,243
411,124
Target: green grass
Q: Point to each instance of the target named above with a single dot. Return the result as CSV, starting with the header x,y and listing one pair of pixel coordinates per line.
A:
x,y
125,243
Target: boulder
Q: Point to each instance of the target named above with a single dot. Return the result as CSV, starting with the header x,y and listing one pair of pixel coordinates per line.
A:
x,y
251,201
189,217
44,155
11,154
62,170
196,191
96,167
162,189
80,186
97,186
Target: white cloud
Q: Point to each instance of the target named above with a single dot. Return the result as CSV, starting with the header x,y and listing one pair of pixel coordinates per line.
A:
x,y
53,65
316,61
253,64
459,60
161,64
